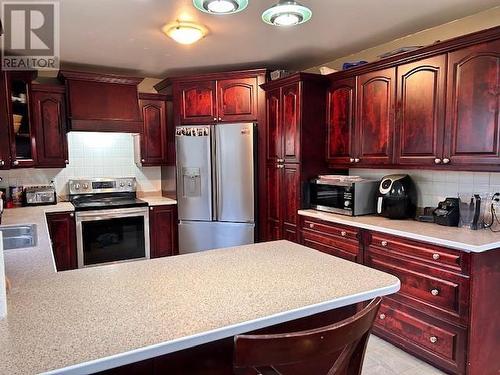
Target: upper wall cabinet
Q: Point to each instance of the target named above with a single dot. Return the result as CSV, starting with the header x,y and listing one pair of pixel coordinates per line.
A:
x,y
217,97
473,129
98,102
49,120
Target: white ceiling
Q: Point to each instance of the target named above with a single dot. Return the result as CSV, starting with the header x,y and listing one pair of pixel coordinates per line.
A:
x,y
125,34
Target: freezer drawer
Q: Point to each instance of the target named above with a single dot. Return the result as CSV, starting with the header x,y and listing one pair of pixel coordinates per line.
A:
x,y
198,236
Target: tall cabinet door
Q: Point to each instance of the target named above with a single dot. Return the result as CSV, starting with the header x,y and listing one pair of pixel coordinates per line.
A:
x,y
4,125
290,200
420,116
473,104
273,204
340,105
237,99
197,102
375,117
291,122
154,135
273,138
49,117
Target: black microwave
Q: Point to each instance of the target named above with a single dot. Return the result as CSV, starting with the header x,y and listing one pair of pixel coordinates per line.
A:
x,y
352,198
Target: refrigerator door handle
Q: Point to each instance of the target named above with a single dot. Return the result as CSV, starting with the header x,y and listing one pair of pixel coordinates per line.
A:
x,y
215,173
218,173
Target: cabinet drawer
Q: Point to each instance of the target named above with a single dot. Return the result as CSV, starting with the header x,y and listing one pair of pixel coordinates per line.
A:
x,y
427,288
441,343
340,231
331,246
434,255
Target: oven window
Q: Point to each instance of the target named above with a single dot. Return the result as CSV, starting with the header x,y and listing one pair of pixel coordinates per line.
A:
x,y
327,195
113,240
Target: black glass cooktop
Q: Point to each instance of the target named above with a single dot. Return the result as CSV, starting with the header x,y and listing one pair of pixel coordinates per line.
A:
x,y
106,202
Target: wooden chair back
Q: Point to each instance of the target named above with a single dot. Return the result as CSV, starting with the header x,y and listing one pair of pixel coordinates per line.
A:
x,y
337,349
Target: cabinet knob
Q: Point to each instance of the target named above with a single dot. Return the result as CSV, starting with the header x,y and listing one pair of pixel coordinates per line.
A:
x,y
143,160
434,292
436,256
357,160
220,118
16,162
384,243
66,161
2,163
351,160
446,161
280,166
151,208
72,215
433,339
281,160
382,316
215,118
437,161
343,233
311,225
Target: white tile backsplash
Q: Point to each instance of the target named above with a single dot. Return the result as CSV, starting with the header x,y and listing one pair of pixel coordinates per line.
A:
x,y
435,186
91,155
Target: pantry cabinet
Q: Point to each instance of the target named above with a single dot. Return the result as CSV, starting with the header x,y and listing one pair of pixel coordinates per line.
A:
x,y
49,120
163,231
62,232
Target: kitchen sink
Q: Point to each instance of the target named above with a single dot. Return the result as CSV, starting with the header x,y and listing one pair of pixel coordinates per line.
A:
x,y
18,236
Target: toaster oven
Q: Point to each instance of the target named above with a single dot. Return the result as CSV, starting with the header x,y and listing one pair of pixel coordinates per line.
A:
x,y
39,195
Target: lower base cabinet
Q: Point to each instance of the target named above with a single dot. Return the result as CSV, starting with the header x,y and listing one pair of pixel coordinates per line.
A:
x,y
62,231
444,312
163,231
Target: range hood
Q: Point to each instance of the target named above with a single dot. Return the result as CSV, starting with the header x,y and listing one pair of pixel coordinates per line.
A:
x,y
102,102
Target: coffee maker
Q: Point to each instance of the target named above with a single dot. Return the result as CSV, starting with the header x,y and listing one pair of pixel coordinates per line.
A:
x,y
397,197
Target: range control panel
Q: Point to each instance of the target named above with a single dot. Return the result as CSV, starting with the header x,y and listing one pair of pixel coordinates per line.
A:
x,y
102,185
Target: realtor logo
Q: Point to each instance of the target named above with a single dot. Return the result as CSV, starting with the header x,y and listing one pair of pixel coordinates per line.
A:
x,y
31,35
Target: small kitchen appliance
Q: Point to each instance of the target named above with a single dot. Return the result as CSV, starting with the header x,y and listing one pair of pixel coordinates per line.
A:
x,y
345,195
448,212
112,225
39,195
472,207
397,197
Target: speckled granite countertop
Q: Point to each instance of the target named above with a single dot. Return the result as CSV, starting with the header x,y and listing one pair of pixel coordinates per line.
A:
x,y
456,238
87,320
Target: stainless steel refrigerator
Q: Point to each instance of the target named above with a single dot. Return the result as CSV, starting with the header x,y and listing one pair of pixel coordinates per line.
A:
x,y
215,186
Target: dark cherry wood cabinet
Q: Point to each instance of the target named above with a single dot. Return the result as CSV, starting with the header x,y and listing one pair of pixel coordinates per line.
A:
x,y
340,116
375,117
102,102
49,120
294,128
473,97
156,145
420,112
215,97
62,231
5,157
163,231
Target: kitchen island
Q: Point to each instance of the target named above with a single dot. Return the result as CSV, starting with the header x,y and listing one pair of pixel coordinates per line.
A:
x,y
93,319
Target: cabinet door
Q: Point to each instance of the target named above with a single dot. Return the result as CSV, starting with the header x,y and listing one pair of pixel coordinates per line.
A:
x,y
290,200
154,133
421,106
197,102
49,117
291,122
4,125
163,231
62,231
237,99
375,117
274,149
273,197
473,104
340,121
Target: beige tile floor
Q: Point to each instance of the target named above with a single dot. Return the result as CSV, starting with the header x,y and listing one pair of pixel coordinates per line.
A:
x,y
382,358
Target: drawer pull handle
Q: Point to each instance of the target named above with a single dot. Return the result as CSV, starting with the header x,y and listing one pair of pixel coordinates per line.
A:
x,y
343,233
434,292
433,339
311,226
384,243
382,316
436,256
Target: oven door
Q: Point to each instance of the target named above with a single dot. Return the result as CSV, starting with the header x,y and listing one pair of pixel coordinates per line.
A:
x,y
106,236
330,198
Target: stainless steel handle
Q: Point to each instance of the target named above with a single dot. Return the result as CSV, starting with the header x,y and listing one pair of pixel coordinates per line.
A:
x,y
382,316
433,339
110,214
357,160
343,233
351,160
437,161
384,243
16,162
446,161
434,292
436,256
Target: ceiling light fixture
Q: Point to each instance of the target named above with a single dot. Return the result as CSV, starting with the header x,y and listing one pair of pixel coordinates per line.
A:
x,y
220,6
184,32
287,13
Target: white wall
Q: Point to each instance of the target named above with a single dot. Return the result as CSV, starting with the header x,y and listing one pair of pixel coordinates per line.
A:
x,y
434,186
91,155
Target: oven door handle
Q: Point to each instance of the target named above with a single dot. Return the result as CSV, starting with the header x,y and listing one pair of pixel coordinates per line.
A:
x,y
110,214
